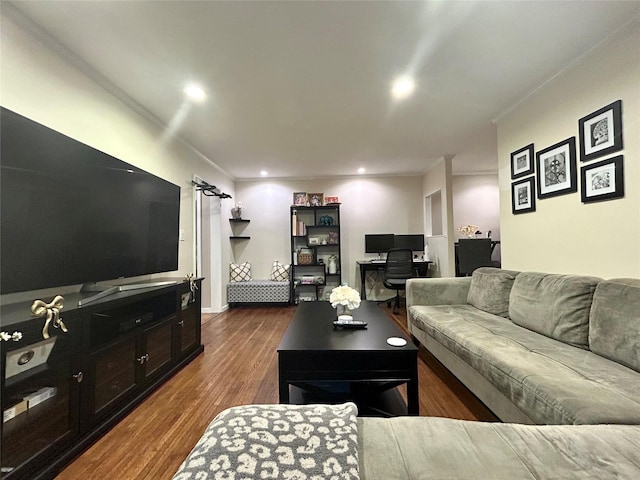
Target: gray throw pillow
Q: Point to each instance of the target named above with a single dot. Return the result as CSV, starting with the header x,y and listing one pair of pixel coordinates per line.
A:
x,y
490,289
614,323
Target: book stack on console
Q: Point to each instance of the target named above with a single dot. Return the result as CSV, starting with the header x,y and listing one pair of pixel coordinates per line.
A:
x,y
29,401
45,393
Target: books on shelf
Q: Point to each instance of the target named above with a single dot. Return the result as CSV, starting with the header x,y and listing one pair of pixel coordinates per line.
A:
x,y
298,227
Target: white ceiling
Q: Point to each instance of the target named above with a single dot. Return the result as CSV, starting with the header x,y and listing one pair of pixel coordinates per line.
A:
x,y
301,89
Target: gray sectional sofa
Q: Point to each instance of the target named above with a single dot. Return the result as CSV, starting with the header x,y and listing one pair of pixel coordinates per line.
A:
x,y
558,351
536,348
327,442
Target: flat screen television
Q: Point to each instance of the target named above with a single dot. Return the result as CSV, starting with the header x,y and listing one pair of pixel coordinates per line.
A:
x,y
71,214
378,242
414,243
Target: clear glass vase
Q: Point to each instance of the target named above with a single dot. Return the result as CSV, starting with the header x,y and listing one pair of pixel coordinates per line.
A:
x,y
344,313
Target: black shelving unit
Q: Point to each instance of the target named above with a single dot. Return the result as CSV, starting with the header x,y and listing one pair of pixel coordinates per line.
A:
x,y
315,247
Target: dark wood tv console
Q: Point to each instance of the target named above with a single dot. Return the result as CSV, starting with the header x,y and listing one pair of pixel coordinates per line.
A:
x,y
115,352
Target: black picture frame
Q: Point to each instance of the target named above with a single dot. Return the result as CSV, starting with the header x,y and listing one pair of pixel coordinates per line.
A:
x,y
601,132
523,196
522,162
602,180
556,169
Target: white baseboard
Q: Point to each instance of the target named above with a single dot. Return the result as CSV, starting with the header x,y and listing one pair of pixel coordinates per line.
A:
x,y
211,310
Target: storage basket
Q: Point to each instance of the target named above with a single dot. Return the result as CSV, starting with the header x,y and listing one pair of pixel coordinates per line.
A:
x,y
305,258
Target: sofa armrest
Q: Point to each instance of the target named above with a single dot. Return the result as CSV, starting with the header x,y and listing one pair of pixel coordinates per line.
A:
x,y
438,291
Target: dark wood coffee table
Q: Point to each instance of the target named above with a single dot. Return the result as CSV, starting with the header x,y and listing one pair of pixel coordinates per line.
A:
x,y
313,352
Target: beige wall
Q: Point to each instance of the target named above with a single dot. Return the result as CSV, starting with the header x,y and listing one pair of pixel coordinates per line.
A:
x,y
476,201
564,235
40,85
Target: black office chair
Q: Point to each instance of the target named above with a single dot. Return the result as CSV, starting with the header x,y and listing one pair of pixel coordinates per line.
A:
x,y
397,270
473,253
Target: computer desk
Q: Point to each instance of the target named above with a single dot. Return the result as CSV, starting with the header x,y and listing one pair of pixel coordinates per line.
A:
x,y
421,268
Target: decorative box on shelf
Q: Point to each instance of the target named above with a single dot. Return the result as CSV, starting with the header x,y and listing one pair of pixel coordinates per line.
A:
x,y
305,258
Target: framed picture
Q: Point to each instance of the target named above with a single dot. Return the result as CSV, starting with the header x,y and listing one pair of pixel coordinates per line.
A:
x,y
603,180
522,162
556,169
523,198
316,199
300,199
601,132
330,200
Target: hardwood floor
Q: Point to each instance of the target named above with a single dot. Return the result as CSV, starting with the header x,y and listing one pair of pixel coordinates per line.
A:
x,y
239,366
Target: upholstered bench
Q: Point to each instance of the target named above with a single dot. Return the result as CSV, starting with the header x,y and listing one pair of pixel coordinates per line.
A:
x,y
257,291
242,289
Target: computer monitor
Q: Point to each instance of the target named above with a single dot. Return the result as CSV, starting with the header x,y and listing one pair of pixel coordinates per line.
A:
x,y
378,242
415,243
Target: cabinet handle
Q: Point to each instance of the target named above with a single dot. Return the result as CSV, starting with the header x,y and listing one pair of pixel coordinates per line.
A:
x,y
181,323
79,376
142,359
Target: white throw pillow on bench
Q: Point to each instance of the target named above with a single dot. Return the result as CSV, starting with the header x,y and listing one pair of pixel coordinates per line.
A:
x,y
240,272
279,272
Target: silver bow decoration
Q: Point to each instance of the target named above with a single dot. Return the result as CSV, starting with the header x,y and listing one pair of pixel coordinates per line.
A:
x,y
192,283
52,311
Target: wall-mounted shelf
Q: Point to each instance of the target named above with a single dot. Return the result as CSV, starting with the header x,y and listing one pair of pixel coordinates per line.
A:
x,y
237,226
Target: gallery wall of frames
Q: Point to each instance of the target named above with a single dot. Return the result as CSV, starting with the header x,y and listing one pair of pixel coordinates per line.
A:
x,y
553,170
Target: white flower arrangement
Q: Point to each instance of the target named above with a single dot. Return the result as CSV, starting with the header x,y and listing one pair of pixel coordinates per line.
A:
x,y
468,230
346,296
15,336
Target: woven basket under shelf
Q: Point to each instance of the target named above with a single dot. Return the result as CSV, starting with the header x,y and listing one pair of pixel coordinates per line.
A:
x,y
305,258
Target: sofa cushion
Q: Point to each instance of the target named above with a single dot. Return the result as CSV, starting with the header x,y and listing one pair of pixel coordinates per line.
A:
x,y
490,289
614,322
552,382
438,291
554,305
446,449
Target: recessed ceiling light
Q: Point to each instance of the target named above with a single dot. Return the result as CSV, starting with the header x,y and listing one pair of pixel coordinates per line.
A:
x,y
264,173
403,87
361,170
195,92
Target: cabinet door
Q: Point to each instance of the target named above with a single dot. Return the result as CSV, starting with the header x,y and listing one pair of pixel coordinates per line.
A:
x,y
112,375
157,342
188,330
48,421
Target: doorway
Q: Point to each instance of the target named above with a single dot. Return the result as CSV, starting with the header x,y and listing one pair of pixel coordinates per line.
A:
x,y
209,249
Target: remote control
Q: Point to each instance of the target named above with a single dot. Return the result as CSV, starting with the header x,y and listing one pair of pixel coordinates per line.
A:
x,y
350,323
